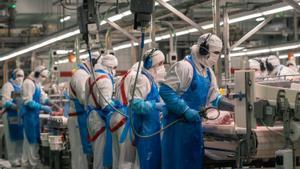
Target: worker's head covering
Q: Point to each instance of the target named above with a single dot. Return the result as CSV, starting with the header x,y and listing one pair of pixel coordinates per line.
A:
x,y
154,62
41,73
108,62
254,64
215,47
17,76
152,58
272,62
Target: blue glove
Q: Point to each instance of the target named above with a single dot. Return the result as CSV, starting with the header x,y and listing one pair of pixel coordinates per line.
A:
x,y
46,109
8,104
174,103
192,115
34,105
141,106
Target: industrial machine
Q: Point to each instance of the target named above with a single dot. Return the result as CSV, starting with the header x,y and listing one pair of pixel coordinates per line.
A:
x,y
265,129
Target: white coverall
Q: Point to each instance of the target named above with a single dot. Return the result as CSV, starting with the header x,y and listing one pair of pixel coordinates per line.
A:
x,y
13,148
79,159
94,121
30,155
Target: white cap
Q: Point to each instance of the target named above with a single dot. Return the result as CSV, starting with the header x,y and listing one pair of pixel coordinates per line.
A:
x,y
157,56
109,60
43,70
214,42
18,71
254,64
273,60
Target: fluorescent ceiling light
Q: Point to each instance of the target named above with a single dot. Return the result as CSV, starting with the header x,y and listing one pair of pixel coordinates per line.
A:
x,y
276,48
284,48
41,44
260,19
277,8
64,19
285,56
243,18
63,52
238,48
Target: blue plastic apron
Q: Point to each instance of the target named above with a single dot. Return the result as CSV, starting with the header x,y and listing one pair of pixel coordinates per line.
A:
x,y
149,149
82,116
182,144
31,119
15,124
107,155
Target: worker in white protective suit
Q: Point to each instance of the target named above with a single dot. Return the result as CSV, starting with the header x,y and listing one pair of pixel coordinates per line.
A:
x,y
123,148
77,121
190,86
277,70
259,67
13,126
34,101
100,105
146,107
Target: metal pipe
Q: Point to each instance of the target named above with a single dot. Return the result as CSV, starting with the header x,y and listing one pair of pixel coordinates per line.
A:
x,y
108,44
294,4
252,32
152,32
126,33
180,15
295,26
226,45
216,22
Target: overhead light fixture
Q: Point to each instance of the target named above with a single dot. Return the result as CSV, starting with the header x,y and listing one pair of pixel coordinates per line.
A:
x,y
238,48
276,48
281,7
40,44
260,19
64,19
63,52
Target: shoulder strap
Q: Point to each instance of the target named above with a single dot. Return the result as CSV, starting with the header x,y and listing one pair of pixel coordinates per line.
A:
x,y
122,87
73,90
91,86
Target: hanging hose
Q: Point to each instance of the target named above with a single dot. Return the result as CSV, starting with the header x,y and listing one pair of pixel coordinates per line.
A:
x,y
134,88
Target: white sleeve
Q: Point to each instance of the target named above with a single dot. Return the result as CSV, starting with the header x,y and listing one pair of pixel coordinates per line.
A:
x,y
7,90
28,89
214,88
179,76
44,96
106,89
78,84
143,86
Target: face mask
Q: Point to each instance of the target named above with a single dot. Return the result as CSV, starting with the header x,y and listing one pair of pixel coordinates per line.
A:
x,y
213,59
158,73
19,80
42,79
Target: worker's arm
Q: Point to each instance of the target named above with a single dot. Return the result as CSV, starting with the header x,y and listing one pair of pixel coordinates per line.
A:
x,y
7,101
178,80
139,104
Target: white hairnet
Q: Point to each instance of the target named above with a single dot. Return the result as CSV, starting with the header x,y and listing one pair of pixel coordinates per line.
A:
x,y
273,60
109,61
214,42
18,71
254,64
157,57
43,70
